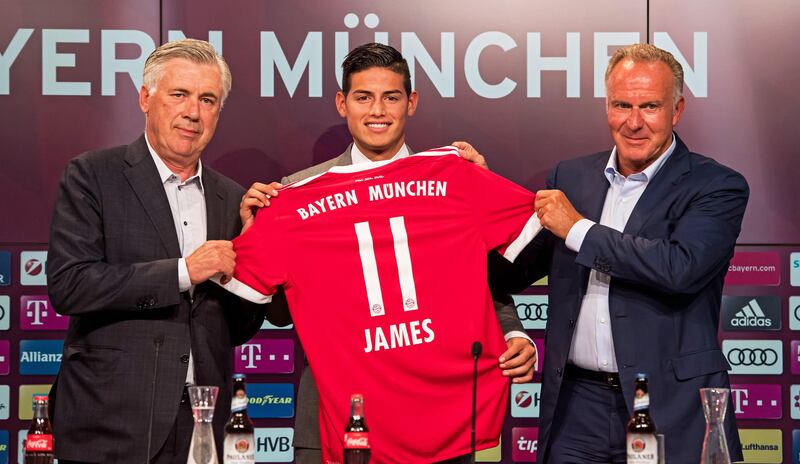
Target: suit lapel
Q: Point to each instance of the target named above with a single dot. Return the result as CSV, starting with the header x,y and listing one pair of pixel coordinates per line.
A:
x,y
592,196
143,178
215,207
660,188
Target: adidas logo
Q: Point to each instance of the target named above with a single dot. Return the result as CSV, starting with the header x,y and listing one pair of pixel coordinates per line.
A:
x,y
751,315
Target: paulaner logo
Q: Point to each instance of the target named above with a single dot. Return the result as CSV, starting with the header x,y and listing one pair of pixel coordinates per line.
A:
x,y
751,313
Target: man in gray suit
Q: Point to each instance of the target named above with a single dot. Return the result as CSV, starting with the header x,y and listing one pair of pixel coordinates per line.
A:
x,y
136,233
376,99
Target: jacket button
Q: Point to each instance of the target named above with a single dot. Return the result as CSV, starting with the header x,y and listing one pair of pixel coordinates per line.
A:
x,y
559,371
152,301
571,322
185,358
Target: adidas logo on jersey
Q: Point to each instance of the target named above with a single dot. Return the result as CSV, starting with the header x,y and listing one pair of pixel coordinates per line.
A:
x,y
751,315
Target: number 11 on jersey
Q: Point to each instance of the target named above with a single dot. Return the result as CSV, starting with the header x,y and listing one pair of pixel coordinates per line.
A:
x,y
369,266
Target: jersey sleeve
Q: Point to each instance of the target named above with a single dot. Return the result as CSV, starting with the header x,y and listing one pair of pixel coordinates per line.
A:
x,y
260,260
505,213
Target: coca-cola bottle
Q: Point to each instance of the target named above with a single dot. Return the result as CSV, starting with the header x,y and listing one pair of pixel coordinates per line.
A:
x,y
39,443
356,434
239,446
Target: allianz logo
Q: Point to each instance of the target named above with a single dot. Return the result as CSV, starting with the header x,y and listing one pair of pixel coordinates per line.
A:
x,y
39,357
751,315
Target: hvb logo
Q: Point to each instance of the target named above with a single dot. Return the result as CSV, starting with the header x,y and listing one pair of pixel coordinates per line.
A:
x,y
756,401
270,400
748,313
274,444
32,264
524,444
37,314
40,357
525,399
265,356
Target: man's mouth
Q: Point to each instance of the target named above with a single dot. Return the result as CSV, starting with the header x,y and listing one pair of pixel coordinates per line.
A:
x,y
377,125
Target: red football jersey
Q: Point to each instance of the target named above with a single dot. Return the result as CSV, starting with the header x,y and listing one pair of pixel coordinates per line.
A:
x,y
384,268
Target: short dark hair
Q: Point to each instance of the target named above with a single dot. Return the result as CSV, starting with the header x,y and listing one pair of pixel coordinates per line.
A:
x,y
374,55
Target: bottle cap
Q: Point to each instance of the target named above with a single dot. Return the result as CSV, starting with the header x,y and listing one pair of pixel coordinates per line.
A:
x,y
641,375
37,398
239,376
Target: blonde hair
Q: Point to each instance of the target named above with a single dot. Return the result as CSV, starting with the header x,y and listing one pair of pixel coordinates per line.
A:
x,y
646,53
197,51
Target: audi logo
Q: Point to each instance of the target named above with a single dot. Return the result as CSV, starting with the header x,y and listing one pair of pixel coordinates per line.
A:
x,y
797,312
532,311
752,357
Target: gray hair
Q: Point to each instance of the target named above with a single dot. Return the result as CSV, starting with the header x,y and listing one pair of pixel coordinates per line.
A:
x,y
197,51
646,53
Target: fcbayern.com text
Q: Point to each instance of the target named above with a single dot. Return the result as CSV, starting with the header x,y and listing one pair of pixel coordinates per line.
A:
x,y
740,268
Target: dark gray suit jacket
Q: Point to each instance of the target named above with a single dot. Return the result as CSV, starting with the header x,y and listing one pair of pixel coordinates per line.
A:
x,y
667,270
306,427
113,268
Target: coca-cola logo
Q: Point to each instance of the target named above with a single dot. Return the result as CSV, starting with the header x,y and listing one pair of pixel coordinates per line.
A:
x,y
242,446
39,443
357,440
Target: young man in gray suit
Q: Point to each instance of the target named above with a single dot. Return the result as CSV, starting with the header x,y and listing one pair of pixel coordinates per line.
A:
x,y
136,233
376,99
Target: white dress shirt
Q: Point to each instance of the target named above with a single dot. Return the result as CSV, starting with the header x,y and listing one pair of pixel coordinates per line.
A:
x,y
592,342
188,206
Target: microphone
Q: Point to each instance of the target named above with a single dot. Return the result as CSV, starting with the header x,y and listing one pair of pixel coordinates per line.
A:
x,y
157,342
477,348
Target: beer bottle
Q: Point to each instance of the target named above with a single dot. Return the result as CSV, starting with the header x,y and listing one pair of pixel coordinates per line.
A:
x,y
642,445
39,443
356,434
239,445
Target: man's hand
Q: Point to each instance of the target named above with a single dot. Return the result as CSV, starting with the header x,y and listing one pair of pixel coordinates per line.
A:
x,y
555,212
213,257
256,197
469,153
519,360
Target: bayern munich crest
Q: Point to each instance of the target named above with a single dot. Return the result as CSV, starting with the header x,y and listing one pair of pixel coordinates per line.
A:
x,y
376,308
411,303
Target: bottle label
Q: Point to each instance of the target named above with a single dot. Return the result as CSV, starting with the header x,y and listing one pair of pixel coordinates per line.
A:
x,y
356,440
642,448
239,403
38,443
641,400
239,448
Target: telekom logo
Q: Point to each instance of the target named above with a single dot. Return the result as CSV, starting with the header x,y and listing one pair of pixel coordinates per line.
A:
x,y
251,353
36,313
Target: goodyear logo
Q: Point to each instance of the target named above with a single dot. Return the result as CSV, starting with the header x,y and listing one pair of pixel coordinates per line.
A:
x,y
762,445
266,400
3,446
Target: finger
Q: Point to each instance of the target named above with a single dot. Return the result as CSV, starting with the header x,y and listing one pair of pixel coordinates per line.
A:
x,y
225,279
520,371
523,378
523,357
461,145
512,351
251,202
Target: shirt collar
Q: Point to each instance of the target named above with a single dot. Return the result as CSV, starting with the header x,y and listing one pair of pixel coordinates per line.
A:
x,y
164,173
649,172
358,157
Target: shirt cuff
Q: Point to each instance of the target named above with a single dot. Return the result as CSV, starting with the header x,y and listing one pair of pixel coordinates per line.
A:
x,y
184,282
577,234
517,334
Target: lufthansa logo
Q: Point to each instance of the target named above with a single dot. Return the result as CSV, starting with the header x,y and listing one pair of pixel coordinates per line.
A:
x,y
532,311
752,357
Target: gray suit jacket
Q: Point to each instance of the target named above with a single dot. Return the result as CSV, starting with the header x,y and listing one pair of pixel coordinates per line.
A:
x,y
113,268
306,428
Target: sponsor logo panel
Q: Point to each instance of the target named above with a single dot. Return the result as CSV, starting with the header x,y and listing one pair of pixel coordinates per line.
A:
x,y
265,356
525,399
4,446
794,269
745,313
794,355
5,401
796,446
270,400
756,401
754,268
5,268
36,313
494,454
267,326
274,444
5,357
794,401
40,357
32,268
794,312
26,394
762,445
532,310
524,444
754,356
5,312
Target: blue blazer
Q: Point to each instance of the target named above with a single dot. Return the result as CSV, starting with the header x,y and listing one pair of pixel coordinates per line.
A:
x,y
667,269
